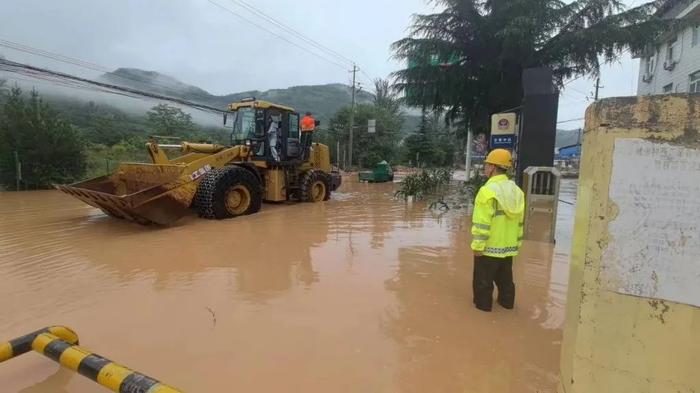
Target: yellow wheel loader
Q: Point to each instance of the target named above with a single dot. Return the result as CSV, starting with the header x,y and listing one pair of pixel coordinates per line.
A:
x,y
265,162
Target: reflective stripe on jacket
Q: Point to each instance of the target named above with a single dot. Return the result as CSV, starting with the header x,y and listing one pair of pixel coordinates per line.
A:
x,y
499,211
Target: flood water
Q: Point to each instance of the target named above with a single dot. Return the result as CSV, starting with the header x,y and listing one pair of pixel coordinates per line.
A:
x,y
359,294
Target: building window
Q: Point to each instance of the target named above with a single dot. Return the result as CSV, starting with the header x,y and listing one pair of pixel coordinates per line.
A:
x,y
696,31
670,49
651,64
668,88
694,82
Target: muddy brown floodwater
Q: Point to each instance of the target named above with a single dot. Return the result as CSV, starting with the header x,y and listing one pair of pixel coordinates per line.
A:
x,y
360,294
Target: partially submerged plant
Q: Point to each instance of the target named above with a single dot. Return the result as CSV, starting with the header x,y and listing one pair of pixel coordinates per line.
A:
x,y
472,186
424,183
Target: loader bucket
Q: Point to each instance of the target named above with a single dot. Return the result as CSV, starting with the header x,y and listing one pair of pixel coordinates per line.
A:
x,y
145,193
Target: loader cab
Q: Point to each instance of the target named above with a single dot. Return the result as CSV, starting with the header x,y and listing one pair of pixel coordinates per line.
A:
x,y
272,131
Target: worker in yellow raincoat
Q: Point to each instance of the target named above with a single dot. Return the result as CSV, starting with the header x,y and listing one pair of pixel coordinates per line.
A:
x,y
497,232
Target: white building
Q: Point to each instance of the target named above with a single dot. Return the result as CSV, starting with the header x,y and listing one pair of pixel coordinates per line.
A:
x,y
673,64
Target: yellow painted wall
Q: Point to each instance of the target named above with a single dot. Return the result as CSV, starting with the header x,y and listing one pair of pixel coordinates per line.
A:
x,y
616,342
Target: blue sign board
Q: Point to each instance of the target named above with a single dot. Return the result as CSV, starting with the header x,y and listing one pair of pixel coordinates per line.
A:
x,y
503,141
570,151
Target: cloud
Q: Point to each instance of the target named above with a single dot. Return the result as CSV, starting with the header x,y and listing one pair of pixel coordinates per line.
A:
x,y
201,44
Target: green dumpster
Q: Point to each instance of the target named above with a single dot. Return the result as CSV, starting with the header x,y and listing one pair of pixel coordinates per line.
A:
x,y
381,173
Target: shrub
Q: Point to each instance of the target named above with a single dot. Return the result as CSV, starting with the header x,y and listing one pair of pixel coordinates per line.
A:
x,y
426,182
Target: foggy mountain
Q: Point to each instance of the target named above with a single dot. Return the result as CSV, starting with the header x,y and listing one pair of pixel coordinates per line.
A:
x,y
323,100
567,137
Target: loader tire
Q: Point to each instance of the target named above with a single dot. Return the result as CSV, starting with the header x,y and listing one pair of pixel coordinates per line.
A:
x,y
315,187
228,192
329,185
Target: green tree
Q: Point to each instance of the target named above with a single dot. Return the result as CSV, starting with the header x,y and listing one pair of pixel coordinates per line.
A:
x,y
101,125
468,57
102,159
50,150
369,149
170,121
432,144
386,97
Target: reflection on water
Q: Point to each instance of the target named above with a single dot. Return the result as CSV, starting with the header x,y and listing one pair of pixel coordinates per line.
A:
x,y
56,382
362,293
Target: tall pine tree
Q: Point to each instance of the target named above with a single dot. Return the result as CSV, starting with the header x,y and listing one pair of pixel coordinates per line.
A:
x,y
468,57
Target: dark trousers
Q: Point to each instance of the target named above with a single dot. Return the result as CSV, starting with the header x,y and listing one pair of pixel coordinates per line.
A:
x,y
488,270
306,139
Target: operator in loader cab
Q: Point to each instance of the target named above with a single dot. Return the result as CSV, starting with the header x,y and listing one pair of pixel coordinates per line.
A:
x,y
497,232
308,126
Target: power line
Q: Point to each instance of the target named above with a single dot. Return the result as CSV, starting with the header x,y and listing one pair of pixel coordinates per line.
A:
x,y
366,74
42,73
574,96
291,30
277,35
577,91
50,55
90,66
573,80
369,78
47,81
96,67
571,120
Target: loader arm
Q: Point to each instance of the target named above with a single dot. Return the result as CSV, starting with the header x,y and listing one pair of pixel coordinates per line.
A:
x,y
192,151
160,192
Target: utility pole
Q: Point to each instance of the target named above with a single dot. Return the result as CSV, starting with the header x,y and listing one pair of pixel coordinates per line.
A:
x,y
468,153
18,167
352,114
597,88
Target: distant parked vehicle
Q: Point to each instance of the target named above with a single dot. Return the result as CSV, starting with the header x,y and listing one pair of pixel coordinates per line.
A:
x,y
381,173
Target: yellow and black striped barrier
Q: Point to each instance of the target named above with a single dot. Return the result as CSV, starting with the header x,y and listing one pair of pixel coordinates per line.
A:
x,y
61,345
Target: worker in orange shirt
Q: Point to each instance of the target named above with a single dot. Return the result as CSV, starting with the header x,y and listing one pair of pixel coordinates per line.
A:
x,y
308,126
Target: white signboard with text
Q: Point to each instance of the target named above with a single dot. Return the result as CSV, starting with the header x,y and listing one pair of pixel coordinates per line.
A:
x,y
654,240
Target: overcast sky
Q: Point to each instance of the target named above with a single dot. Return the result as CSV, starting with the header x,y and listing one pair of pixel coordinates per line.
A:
x,y
204,45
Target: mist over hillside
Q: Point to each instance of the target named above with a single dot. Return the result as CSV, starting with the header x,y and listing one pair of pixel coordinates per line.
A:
x,y
568,137
323,100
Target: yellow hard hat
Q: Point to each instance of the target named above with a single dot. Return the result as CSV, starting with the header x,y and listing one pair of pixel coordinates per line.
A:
x,y
500,157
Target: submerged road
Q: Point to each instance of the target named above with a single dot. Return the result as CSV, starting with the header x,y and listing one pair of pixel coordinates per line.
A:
x,y
360,294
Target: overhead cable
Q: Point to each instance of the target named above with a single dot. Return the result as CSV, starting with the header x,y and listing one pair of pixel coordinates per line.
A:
x,y
292,31
277,35
25,69
92,66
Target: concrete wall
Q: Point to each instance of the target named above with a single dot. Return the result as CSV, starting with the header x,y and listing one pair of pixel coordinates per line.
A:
x,y
633,311
686,54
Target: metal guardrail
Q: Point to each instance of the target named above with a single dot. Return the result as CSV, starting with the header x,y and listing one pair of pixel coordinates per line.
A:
x,y
541,186
60,344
